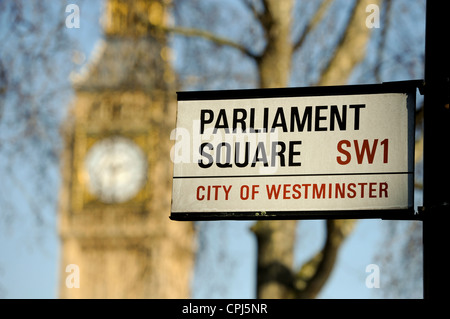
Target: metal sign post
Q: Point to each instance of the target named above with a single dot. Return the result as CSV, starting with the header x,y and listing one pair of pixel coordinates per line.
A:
x,y
436,179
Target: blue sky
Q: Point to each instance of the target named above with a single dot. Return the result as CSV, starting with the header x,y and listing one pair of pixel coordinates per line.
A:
x,y
226,270
29,257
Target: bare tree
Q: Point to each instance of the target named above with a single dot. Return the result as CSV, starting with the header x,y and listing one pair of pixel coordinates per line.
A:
x,y
34,68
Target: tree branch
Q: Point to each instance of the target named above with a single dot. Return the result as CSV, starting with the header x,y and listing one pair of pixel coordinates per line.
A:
x,y
252,7
321,265
351,49
221,41
317,17
386,26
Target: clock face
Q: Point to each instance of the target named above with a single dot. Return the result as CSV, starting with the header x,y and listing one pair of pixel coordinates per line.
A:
x,y
116,169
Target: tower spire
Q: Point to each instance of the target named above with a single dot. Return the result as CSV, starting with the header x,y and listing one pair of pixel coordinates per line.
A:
x,y
132,17
132,37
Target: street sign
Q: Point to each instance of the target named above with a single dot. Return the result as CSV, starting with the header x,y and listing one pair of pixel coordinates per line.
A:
x,y
295,153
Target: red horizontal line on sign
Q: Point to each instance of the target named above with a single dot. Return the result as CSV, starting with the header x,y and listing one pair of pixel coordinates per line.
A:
x,y
294,175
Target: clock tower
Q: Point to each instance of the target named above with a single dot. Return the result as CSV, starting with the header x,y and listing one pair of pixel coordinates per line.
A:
x,y
117,239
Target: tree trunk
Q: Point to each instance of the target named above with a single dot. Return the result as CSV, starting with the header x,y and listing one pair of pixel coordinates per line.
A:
x,y
275,241
274,64
275,238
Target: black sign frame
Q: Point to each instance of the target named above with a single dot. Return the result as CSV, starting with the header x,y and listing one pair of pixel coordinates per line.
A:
x,y
407,87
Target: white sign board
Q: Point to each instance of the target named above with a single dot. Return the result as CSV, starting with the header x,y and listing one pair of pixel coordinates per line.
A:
x,y
292,153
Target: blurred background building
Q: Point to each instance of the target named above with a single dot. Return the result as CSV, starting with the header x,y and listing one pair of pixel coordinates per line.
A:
x,y
116,188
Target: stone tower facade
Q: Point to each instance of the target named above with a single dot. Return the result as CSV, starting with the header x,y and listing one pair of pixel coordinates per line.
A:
x,y
116,169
